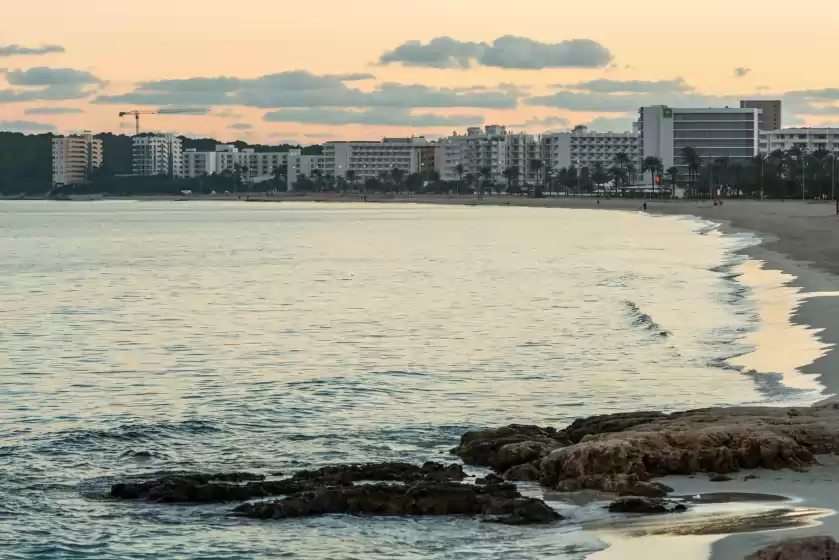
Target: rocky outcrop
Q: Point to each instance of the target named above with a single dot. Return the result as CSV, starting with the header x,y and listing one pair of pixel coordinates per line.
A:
x,y
506,447
228,487
403,472
808,548
646,506
621,453
719,478
497,502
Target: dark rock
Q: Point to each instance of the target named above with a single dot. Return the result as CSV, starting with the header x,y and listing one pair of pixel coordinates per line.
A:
x,y
645,506
622,485
719,478
808,548
499,503
403,472
609,423
204,488
750,477
506,447
491,478
523,473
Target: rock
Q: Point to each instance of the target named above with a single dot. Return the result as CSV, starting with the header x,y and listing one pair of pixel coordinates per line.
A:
x,y
808,548
750,477
622,485
491,478
506,447
715,440
523,473
498,503
404,472
608,423
719,478
645,506
203,488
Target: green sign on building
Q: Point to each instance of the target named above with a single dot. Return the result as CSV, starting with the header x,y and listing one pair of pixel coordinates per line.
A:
x,y
667,113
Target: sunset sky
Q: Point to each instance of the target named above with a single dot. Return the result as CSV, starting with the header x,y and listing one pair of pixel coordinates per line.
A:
x,y
306,72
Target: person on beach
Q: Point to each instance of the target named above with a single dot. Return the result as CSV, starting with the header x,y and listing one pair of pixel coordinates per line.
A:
x,y
837,204
645,207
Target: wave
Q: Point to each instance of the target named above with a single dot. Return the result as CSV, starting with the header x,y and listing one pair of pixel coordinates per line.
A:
x,y
641,319
137,432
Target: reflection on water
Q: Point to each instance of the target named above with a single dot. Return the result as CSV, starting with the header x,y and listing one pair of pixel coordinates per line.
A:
x,y
229,336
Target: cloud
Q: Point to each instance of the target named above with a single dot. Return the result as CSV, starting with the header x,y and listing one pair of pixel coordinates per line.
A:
x,y
375,116
611,124
43,76
630,86
596,102
227,115
18,50
552,121
299,89
741,71
241,126
53,111
26,126
508,51
48,84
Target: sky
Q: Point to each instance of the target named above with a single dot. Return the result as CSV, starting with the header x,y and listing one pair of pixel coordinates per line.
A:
x,y
275,71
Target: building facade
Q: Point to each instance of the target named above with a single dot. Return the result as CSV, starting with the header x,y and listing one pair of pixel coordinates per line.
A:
x,y
805,139
371,159
581,148
254,166
307,166
75,157
160,154
477,150
770,112
713,132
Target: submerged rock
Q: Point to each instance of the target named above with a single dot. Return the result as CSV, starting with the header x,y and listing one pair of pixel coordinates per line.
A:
x,y
490,479
404,472
528,472
719,478
646,506
506,447
808,548
498,502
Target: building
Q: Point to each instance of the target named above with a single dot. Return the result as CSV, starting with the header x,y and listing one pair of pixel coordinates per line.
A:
x,y
254,166
197,164
805,139
477,150
770,112
371,159
75,157
581,148
713,132
158,154
310,166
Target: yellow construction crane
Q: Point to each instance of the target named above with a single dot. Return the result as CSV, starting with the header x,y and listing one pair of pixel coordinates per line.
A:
x,y
137,113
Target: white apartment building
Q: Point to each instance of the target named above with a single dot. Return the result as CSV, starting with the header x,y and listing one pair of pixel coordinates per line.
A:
x,y
806,139
369,159
476,150
160,154
74,157
581,148
197,164
306,166
254,166
714,133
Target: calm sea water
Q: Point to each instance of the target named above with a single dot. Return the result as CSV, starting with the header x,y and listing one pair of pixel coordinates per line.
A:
x,y
221,336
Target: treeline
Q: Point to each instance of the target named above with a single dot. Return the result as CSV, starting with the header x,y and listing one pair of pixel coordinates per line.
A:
x,y
26,159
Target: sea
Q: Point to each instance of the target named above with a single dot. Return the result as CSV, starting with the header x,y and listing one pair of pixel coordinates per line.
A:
x,y
138,337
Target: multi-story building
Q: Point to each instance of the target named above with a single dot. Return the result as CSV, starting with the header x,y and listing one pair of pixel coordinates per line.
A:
x,y
475,151
160,154
581,148
198,163
307,166
713,132
254,166
75,157
805,139
370,159
770,112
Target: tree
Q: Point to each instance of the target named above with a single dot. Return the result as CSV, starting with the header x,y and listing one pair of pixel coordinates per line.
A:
x,y
585,179
460,170
693,162
536,166
486,174
397,174
317,176
654,165
573,179
599,176
673,174
414,183
511,174
351,176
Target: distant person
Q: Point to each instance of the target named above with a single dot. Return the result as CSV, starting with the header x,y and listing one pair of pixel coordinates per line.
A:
x,y
598,203
645,207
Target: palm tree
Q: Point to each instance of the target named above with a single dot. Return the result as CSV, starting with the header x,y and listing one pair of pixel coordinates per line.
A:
x,y
617,175
510,174
654,165
486,173
536,166
397,174
562,177
693,162
599,176
351,174
574,179
622,159
460,170
673,174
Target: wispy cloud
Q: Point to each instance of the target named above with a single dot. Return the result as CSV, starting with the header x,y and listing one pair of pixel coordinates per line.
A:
x,y
19,50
